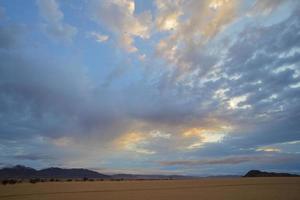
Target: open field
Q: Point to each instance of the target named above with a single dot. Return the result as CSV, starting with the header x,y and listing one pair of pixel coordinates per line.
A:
x,y
239,188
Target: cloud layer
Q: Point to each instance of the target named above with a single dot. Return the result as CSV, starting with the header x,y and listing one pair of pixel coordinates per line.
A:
x,y
171,86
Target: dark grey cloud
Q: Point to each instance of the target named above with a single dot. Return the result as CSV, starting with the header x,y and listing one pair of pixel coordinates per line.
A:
x,y
33,157
34,100
265,60
2,13
234,160
10,35
266,7
255,57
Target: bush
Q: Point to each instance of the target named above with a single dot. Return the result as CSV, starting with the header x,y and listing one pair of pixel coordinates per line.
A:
x,y
4,182
12,181
9,181
34,180
69,180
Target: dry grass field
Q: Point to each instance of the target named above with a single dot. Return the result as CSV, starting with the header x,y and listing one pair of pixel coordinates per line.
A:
x,y
219,189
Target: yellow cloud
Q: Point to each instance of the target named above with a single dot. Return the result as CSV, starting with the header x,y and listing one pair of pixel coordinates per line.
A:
x,y
168,20
62,141
134,142
120,18
268,149
129,139
199,22
224,13
205,135
168,23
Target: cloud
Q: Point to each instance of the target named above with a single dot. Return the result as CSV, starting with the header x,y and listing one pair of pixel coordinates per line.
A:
x,y
232,160
205,135
33,157
245,74
62,141
168,14
268,149
220,87
235,102
54,17
158,134
134,142
119,17
48,113
10,36
194,23
142,57
266,7
38,99
98,37
2,13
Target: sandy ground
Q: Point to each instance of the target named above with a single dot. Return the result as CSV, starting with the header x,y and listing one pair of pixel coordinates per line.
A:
x,y
220,189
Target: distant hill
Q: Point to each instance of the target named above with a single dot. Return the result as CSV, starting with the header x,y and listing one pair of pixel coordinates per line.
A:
x,y
149,177
257,173
23,172
17,171
54,172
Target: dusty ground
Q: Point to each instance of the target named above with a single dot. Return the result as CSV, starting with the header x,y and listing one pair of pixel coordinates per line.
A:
x,y
240,188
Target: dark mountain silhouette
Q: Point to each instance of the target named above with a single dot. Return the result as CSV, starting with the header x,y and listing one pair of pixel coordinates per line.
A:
x,y
23,172
149,177
17,171
55,172
257,173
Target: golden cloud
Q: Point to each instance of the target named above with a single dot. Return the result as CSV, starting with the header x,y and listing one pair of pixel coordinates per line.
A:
x,y
193,23
134,142
205,135
268,149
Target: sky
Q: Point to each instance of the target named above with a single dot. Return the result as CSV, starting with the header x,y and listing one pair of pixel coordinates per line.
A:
x,y
192,87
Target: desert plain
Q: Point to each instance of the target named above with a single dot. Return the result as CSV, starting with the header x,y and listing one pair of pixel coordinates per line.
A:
x,y
208,188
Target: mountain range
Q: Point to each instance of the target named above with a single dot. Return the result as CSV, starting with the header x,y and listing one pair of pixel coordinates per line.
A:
x,y
22,172
257,173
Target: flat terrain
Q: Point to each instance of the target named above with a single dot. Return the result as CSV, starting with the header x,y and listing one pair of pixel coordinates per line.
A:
x,y
239,188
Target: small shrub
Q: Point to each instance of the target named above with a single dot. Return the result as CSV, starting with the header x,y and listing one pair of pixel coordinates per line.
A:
x,y
9,181
34,180
4,182
12,181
